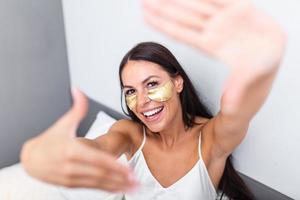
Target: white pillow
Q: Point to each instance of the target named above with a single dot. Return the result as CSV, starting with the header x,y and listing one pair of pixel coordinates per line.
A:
x,y
99,127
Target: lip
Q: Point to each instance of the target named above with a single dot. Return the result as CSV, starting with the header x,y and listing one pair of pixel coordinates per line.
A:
x,y
146,110
155,118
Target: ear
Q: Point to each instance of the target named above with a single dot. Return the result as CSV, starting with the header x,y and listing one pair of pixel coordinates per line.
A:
x,y
178,83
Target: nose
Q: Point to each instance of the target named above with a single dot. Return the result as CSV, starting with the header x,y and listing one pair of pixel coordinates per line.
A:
x,y
142,99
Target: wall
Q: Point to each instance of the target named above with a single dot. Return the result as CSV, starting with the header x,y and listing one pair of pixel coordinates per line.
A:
x,y
99,33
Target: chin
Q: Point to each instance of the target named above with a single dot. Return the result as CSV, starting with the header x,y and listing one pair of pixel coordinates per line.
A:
x,y
155,128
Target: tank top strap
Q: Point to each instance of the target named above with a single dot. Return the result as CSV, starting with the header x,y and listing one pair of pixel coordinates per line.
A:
x,y
211,189
199,145
144,139
139,150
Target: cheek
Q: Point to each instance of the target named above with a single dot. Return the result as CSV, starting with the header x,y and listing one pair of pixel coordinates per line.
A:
x,y
172,106
135,112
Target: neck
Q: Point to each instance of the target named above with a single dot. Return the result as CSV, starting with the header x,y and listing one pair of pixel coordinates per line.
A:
x,y
172,134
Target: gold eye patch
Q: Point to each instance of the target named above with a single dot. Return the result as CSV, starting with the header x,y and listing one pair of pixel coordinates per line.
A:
x,y
160,94
131,101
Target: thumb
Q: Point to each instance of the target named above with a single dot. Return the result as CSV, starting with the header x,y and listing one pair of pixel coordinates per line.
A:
x,y
79,108
69,122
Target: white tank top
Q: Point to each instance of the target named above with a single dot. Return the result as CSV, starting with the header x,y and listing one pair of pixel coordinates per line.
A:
x,y
195,185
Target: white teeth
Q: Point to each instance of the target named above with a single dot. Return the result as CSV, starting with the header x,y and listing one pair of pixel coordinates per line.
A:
x,y
152,112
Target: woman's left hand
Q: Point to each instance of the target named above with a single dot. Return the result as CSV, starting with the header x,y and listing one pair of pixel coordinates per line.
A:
x,y
233,31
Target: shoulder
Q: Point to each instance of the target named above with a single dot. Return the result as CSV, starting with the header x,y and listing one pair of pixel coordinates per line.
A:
x,y
124,123
214,164
122,137
125,126
129,129
205,131
207,138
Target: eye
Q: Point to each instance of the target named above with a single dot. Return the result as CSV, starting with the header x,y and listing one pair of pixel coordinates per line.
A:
x,y
152,84
129,92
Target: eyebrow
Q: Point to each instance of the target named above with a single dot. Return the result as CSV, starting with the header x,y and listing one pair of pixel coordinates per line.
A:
x,y
143,82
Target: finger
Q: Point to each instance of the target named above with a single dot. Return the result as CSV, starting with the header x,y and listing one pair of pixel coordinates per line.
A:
x,y
80,105
176,13
113,182
221,3
175,30
76,171
69,122
206,8
99,159
98,184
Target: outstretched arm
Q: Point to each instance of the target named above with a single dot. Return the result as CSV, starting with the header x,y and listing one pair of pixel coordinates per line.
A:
x,y
57,156
238,34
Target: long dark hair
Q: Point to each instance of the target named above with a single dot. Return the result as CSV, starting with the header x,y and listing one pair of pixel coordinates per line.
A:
x,y
231,183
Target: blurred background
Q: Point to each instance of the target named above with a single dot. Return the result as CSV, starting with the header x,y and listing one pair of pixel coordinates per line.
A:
x,y
39,39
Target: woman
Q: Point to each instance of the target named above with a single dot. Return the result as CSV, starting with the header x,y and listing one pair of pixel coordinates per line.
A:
x,y
160,96
171,136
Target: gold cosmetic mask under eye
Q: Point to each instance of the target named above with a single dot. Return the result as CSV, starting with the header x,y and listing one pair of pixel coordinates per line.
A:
x,y
160,94
131,101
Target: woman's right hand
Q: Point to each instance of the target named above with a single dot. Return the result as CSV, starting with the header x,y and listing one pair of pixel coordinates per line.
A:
x,y
58,157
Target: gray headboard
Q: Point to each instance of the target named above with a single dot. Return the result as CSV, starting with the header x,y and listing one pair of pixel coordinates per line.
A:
x,y
34,75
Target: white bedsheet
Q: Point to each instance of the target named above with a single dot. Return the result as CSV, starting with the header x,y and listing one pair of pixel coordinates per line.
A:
x,y
15,184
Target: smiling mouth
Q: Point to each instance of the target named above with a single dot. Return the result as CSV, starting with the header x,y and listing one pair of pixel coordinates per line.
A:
x,y
153,113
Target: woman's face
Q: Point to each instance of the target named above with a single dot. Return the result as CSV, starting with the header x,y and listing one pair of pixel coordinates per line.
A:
x,y
139,79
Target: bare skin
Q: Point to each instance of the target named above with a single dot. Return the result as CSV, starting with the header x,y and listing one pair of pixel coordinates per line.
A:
x,y
235,32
